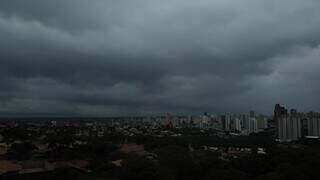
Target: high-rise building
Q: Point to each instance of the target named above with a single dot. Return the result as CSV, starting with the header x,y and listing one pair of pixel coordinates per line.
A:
x,y
295,126
245,123
204,121
226,121
313,121
253,125
237,124
262,122
288,125
304,126
279,111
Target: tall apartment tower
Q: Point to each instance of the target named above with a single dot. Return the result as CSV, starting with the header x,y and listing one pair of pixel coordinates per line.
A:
x,y
252,122
313,121
237,124
288,125
295,126
245,122
226,121
262,122
253,125
204,122
279,113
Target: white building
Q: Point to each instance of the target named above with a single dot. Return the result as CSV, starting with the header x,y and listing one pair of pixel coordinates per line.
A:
x,y
313,124
227,121
237,124
253,125
289,127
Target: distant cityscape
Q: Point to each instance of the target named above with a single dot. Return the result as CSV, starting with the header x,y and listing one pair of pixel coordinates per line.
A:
x,y
86,147
294,125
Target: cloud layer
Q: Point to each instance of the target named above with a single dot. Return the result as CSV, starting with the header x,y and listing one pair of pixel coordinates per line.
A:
x,y
100,58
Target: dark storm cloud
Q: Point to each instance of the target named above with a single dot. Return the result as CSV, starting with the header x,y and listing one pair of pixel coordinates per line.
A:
x,y
112,57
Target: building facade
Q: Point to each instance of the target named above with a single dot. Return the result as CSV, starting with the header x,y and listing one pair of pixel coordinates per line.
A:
x,y
288,125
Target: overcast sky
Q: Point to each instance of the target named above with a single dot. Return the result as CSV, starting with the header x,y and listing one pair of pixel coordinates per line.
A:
x,y
117,57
